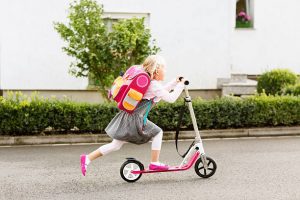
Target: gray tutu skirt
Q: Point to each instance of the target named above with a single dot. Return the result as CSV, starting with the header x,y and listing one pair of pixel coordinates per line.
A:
x,y
135,127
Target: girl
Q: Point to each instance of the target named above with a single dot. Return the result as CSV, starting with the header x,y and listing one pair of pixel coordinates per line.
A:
x,y
136,128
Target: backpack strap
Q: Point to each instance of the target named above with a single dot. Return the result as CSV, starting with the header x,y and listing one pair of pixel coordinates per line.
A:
x,y
147,111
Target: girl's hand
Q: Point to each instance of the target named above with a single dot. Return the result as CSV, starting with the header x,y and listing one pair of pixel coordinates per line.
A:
x,y
179,79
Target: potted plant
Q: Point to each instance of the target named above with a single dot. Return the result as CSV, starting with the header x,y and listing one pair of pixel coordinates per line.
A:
x,y
243,20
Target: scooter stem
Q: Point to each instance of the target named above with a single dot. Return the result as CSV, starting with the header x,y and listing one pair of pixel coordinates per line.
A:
x,y
188,99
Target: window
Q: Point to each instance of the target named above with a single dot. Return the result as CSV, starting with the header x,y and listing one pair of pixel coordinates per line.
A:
x,y
112,17
244,14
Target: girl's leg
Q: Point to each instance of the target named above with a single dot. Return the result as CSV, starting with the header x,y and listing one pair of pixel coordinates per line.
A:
x,y
115,145
156,147
95,154
103,150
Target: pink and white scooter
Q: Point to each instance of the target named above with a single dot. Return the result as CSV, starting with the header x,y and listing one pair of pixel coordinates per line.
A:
x,y
205,167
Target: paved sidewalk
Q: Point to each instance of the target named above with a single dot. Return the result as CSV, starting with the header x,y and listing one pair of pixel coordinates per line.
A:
x,y
168,135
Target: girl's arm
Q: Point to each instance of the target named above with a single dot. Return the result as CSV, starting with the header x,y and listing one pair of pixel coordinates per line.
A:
x,y
170,85
165,95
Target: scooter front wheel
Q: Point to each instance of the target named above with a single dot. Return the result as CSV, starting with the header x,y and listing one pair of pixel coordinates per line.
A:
x,y
205,173
127,168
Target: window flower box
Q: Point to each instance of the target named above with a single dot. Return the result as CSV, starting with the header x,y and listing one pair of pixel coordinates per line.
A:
x,y
243,20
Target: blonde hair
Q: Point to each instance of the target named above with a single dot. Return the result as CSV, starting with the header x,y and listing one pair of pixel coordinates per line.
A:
x,y
152,63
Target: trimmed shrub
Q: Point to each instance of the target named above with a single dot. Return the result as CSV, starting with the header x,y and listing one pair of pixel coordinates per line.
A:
x,y
274,81
35,116
292,90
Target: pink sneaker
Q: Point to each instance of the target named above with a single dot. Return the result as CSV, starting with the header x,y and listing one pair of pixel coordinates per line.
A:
x,y
158,167
83,164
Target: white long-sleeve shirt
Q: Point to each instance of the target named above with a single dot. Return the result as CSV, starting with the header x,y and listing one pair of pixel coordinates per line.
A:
x,y
158,91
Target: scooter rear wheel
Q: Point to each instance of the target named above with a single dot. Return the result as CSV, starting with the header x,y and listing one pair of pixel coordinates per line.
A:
x,y
201,171
127,167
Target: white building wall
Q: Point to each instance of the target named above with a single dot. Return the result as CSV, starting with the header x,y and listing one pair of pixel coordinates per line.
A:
x,y
30,48
193,35
273,43
197,38
193,38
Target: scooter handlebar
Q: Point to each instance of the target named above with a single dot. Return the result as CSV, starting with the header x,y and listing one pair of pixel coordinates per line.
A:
x,y
186,82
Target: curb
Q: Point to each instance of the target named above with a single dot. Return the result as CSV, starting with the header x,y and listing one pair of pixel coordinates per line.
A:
x,y
168,135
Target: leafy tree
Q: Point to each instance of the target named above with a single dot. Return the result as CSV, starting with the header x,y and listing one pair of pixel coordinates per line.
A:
x,y
98,53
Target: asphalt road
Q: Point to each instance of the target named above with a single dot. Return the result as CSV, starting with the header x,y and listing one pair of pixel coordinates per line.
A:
x,y
255,168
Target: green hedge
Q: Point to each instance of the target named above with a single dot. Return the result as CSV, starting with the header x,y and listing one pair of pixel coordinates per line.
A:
x,y
24,117
256,111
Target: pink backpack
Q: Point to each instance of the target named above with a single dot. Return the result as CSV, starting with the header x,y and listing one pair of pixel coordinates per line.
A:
x,y
129,89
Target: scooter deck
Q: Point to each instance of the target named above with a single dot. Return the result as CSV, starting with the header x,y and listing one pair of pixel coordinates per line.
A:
x,y
171,169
